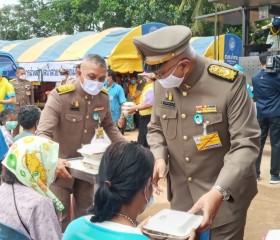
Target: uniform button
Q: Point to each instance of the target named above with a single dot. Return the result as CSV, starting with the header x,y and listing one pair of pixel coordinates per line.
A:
x,y
74,120
183,116
86,97
164,116
85,131
207,122
187,159
190,179
87,117
88,102
185,138
184,94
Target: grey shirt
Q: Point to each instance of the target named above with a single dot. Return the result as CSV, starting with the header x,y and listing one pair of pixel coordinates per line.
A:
x,y
37,212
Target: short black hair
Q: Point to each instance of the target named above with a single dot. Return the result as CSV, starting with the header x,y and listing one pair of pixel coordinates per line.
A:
x,y
112,74
20,68
5,114
127,166
263,57
28,116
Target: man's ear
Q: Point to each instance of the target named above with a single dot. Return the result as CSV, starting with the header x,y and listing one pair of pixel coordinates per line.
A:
x,y
185,65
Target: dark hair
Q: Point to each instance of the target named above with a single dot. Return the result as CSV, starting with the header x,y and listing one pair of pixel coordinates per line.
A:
x,y
5,114
263,57
112,74
8,177
20,68
28,116
124,170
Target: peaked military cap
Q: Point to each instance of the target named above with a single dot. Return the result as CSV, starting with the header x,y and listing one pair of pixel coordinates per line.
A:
x,y
162,45
63,71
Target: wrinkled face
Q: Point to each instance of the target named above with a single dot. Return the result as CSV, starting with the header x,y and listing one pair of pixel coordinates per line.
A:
x,y
20,72
92,71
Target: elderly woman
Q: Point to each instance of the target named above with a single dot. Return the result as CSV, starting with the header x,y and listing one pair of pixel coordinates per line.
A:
x,y
26,203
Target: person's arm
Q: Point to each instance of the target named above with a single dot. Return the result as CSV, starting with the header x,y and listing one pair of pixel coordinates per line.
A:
x,y
148,103
32,94
157,143
11,95
239,162
50,116
110,128
43,223
10,101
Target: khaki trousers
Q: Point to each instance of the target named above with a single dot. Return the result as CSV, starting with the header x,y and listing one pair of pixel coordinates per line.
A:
x,y
230,231
82,200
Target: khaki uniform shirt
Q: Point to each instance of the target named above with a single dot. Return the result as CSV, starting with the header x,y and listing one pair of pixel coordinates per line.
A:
x,y
72,126
63,82
24,92
193,173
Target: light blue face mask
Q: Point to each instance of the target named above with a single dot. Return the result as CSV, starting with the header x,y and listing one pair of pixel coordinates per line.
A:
x,y
132,82
106,82
151,199
11,125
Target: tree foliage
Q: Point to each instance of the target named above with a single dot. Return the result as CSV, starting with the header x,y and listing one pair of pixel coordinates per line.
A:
x,y
41,18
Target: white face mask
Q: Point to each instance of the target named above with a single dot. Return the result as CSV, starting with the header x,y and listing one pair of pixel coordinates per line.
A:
x,y
92,87
22,77
171,81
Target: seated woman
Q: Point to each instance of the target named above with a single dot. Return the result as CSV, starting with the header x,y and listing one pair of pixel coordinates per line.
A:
x,y
28,118
26,202
125,188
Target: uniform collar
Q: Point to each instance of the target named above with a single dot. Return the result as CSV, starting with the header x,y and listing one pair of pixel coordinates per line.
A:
x,y
199,66
80,90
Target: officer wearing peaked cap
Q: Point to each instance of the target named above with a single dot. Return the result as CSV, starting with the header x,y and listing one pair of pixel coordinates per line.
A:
x,y
203,127
64,77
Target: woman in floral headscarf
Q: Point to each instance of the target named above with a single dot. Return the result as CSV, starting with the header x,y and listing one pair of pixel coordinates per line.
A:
x,y
26,203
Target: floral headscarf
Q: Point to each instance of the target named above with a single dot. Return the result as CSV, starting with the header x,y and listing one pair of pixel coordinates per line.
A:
x,y
33,161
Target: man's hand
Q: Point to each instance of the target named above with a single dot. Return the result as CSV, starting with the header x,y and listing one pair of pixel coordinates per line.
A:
x,y
60,170
132,109
159,173
209,203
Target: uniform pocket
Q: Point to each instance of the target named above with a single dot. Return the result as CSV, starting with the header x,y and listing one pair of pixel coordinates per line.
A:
x,y
169,121
214,121
73,118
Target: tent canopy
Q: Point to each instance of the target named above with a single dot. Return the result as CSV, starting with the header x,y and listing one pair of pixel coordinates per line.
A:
x,y
115,44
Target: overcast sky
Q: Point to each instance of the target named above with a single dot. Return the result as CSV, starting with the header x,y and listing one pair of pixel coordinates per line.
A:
x,y
7,2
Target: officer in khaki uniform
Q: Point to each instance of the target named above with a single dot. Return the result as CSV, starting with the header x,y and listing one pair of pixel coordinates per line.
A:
x,y
203,129
24,92
64,74
70,117
23,88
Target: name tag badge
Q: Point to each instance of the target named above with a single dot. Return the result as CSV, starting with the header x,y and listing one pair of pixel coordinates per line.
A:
x,y
99,133
212,108
208,141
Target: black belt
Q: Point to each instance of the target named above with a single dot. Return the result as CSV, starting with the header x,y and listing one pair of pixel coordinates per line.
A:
x,y
145,116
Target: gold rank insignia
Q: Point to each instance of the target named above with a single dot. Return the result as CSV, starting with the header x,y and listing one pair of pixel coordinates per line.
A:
x,y
104,90
65,88
223,72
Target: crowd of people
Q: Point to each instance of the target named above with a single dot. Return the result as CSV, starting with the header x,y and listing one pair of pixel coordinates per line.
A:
x,y
198,129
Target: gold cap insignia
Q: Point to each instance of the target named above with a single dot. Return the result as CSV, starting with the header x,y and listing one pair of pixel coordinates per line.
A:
x,y
223,72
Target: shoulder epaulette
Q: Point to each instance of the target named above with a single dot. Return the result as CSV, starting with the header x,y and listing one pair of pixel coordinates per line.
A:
x,y
223,72
104,90
12,80
65,88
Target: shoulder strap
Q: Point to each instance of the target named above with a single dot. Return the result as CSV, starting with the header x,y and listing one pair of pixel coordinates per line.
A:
x,y
26,229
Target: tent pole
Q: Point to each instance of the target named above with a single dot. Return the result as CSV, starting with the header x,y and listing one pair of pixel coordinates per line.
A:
x,y
215,32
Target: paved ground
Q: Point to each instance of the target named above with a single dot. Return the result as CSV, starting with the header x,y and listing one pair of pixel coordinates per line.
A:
x,y
264,212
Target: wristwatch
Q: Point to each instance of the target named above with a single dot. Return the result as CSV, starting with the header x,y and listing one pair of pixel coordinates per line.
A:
x,y
224,192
